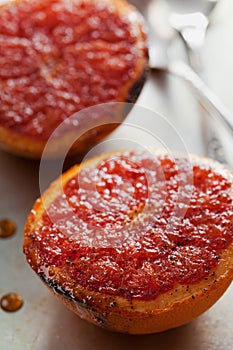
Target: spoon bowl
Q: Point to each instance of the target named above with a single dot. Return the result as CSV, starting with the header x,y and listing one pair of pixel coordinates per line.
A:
x,y
192,27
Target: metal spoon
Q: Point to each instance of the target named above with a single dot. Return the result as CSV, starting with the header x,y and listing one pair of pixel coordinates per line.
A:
x,y
161,34
192,27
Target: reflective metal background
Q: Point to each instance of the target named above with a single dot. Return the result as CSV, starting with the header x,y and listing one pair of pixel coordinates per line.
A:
x,y
45,324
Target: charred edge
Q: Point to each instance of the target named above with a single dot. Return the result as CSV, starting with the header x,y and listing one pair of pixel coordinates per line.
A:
x,y
101,319
64,293
137,87
56,287
98,318
134,93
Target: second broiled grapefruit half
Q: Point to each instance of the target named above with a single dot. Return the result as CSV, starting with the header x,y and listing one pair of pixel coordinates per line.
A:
x,y
58,57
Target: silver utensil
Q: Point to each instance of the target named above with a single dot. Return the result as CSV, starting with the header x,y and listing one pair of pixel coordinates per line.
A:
x,y
192,28
161,34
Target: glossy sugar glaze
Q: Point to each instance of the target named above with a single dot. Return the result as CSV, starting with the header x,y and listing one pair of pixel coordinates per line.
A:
x,y
135,224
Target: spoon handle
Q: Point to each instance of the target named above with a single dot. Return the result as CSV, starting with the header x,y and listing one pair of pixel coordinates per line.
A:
x,y
207,97
212,104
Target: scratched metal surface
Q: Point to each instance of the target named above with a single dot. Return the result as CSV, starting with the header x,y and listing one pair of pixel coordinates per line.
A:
x,y
43,323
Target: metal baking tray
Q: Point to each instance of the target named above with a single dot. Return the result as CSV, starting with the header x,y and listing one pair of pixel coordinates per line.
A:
x,y
43,323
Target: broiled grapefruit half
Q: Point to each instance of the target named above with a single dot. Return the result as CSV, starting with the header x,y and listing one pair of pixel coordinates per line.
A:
x,y
133,241
58,57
